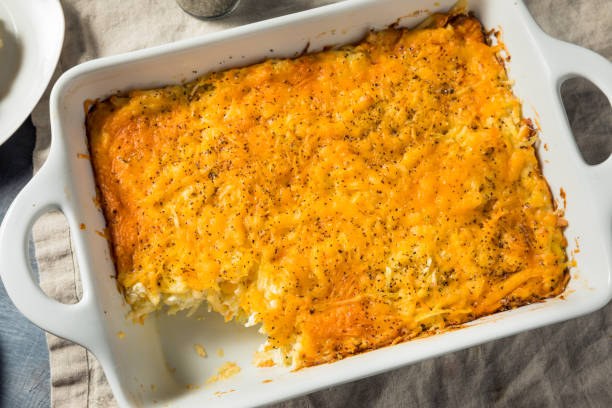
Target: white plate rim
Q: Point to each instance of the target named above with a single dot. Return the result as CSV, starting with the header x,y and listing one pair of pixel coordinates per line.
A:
x,y
48,18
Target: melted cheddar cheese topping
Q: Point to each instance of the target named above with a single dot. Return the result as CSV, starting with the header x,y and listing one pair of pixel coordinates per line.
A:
x,y
344,200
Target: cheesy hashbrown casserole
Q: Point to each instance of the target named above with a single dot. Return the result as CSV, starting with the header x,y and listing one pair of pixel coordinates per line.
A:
x,y
344,200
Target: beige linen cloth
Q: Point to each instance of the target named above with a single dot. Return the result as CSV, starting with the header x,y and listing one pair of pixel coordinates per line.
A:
x,y
566,364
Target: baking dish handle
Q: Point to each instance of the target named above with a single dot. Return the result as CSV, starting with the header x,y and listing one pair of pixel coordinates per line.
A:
x,y
567,61
43,193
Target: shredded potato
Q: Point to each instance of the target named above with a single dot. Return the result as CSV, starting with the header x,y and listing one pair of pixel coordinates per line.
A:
x,y
344,200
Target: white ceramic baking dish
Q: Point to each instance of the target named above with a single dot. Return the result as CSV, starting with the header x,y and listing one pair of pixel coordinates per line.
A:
x,y
153,364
